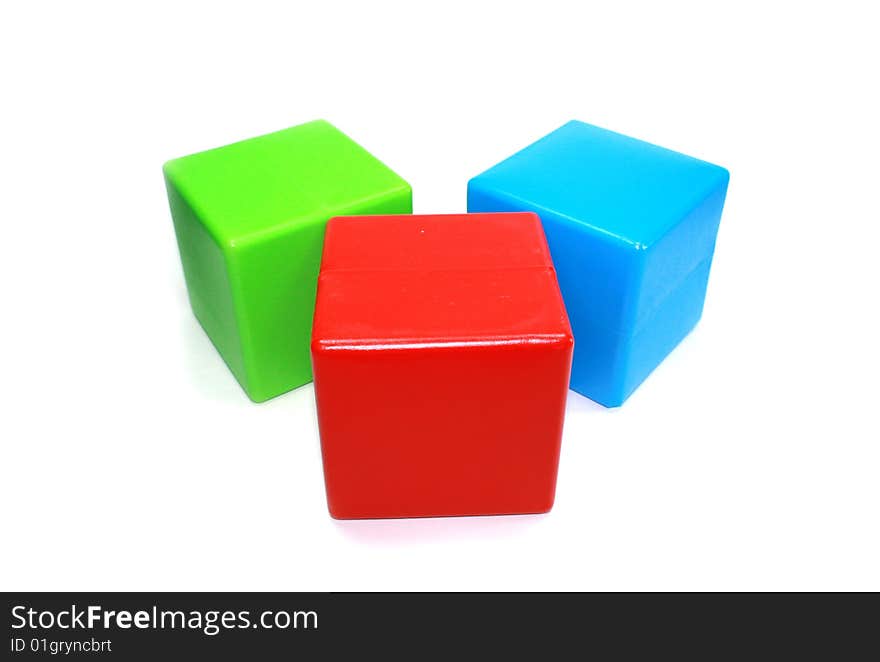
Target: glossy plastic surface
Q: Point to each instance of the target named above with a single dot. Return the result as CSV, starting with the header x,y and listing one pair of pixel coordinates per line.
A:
x,y
631,227
249,219
442,353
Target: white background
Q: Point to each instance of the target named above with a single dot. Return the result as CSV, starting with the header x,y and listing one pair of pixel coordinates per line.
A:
x,y
132,460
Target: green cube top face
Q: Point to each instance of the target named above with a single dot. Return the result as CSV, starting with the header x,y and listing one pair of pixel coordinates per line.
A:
x,y
249,219
265,184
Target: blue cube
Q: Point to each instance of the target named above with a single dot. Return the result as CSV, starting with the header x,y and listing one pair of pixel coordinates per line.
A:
x,y
631,228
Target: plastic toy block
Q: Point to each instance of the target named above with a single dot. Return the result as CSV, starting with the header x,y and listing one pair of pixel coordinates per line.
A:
x,y
442,354
631,227
250,221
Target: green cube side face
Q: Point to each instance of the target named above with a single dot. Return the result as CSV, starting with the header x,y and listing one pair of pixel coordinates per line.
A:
x,y
207,283
250,219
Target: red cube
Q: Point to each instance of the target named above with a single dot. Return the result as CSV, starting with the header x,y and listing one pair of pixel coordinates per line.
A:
x,y
441,352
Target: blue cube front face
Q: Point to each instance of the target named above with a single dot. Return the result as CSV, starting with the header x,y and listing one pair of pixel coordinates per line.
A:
x,y
631,227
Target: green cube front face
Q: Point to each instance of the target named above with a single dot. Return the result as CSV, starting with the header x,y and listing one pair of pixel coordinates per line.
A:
x,y
249,219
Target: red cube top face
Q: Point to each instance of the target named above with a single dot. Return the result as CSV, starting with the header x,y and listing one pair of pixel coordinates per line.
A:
x,y
441,352
438,279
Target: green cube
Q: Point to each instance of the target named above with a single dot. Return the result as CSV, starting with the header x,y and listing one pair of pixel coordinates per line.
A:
x,y
249,219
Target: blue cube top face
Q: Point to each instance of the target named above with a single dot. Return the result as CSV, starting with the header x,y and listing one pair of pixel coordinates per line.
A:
x,y
631,227
631,190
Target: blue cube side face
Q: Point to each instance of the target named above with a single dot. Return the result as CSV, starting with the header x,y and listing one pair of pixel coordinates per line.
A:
x,y
599,280
631,228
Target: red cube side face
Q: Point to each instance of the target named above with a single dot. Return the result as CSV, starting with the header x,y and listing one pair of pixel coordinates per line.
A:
x,y
441,354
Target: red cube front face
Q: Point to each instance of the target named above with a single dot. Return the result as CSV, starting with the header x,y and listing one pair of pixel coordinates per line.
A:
x,y
441,352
